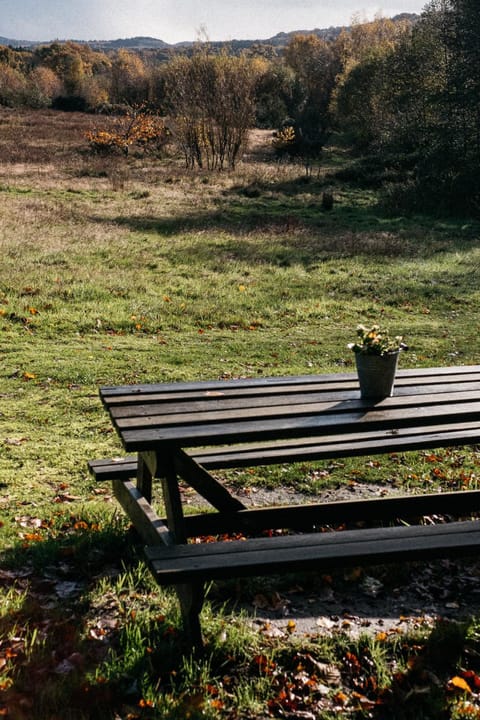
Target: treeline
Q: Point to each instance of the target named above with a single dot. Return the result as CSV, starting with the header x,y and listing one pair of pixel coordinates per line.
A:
x,y
403,95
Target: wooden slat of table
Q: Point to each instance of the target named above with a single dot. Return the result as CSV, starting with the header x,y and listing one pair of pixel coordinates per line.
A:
x,y
280,406
247,391
187,389
291,426
169,408
412,385
424,375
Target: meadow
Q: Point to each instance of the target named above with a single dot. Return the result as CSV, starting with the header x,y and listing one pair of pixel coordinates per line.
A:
x,y
124,270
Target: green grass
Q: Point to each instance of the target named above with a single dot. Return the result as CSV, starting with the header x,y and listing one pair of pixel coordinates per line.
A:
x,y
178,277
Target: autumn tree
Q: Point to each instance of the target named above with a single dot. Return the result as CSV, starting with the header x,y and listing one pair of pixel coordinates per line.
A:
x,y
360,101
82,72
210,100
129,81
315,65
43,86
13,86
138,128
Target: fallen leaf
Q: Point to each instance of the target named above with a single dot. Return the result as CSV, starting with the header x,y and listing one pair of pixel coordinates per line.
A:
x,y
341,698
460,684
65,498
271,631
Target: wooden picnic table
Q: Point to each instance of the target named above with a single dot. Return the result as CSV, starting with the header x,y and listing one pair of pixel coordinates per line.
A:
x,y
184,431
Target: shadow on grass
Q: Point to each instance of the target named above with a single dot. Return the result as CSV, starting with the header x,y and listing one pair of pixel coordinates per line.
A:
x,y
284,223
261,231
73,644
84,637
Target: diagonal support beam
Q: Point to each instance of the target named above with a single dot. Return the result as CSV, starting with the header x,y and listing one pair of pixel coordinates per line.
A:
x,y
149,526
206,485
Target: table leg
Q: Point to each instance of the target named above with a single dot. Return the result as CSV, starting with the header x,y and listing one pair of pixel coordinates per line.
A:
x,y
191,595
171,498
191,599
146,471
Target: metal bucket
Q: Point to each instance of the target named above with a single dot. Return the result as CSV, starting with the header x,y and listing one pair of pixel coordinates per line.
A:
x,y
376,374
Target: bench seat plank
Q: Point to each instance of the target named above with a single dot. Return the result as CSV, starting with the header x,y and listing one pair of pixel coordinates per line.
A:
x,y
318,551
123,468
330,448
234,517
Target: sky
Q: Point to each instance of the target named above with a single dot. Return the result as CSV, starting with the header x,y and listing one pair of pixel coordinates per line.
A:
x,y
177,20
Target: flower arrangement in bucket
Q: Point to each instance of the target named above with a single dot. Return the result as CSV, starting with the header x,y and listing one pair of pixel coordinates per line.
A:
x,y
376,358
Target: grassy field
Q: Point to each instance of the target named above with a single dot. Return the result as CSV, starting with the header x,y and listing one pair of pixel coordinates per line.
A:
x,y
120,271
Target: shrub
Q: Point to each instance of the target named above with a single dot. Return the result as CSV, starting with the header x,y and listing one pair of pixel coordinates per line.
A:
x,y
137,128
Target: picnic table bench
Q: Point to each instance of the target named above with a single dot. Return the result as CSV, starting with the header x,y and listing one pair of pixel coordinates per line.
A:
x,y
184,431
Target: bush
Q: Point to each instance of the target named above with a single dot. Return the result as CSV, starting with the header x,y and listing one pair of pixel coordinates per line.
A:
x,y
137,128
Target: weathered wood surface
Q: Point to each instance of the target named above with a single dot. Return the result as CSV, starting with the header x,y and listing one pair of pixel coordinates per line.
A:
x,y
307,417
318,551
404,377
234,517
149,526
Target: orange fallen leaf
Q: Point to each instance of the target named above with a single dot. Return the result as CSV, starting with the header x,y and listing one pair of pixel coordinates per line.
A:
x,y
145,703
341,698
460,684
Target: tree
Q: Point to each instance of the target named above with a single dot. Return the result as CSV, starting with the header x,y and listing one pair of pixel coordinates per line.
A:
x,y
43,86
360,102
129,82
210,100
415,99
315,65
81,70
13,86
137,128
273,93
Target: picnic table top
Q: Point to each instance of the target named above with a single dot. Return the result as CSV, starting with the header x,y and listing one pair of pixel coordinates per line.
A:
x,y
430,407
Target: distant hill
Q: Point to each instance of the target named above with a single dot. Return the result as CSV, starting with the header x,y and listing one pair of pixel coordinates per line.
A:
x,y
135,43
279,40
19,43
